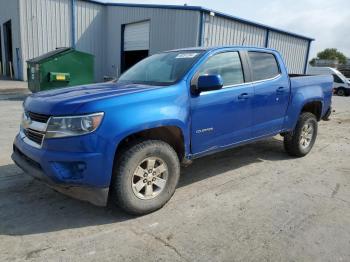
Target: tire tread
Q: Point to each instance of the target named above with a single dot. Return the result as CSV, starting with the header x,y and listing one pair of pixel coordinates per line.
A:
x,y
291,139
120,168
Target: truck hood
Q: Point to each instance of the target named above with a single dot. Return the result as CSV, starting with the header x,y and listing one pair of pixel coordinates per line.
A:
x,y
67,101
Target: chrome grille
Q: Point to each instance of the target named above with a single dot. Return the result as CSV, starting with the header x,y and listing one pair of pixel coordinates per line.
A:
x,y
35,136
33,128
38,117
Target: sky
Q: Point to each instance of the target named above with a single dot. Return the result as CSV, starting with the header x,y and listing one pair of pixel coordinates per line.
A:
x,y
328,21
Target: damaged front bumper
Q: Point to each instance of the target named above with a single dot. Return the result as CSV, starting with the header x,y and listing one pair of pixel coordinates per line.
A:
x,y
96,196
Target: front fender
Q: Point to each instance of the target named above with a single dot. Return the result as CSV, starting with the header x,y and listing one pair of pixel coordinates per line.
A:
x,y
146,126
133,113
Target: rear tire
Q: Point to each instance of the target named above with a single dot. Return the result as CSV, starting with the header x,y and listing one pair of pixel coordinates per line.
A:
x,y
300,142
145,177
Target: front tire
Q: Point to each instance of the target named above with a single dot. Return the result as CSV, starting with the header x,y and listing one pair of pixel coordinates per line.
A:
x,y
145,177
300,142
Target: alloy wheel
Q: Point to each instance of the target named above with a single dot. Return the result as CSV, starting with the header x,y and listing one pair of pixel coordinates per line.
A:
x,y
149,178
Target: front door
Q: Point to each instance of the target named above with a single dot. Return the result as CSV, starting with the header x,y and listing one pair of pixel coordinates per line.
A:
x,y
222,117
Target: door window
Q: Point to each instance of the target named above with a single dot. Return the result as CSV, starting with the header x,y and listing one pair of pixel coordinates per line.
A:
x,y
227,65
264,65
337,79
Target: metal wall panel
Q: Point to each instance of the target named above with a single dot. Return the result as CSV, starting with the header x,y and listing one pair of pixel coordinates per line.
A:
x,y
169,29
45,25
90,36
220,31
223,31
294,50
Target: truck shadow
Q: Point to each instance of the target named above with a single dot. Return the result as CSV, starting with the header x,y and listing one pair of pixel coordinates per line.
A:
x,y
29,207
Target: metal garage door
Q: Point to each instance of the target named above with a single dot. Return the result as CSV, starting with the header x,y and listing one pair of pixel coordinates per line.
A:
x,y
136,36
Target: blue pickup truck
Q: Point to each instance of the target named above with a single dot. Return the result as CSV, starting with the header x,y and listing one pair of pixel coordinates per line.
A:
x,y
124,141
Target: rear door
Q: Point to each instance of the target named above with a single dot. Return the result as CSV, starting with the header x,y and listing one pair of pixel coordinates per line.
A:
x,y
222,117
271,93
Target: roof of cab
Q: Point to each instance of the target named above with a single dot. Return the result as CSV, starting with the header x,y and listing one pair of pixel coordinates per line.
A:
x,y
213,48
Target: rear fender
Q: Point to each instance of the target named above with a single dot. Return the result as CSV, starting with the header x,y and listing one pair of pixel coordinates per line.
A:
x,y
302,97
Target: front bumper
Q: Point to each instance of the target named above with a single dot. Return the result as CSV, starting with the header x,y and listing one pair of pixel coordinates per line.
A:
x,y
60,170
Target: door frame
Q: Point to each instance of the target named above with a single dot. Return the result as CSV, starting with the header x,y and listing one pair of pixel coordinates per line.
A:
x,y
122,38
8,47
1,60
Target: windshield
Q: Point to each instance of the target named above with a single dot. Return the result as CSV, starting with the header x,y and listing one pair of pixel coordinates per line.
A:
x,y
161,69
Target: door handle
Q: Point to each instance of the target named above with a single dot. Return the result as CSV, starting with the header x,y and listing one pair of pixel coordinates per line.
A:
x,y
243,96
280,89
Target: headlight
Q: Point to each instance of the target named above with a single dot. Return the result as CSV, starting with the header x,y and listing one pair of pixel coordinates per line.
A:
x,y
73,125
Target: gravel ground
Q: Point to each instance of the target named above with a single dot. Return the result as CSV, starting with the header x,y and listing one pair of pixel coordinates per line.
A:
x,y
252,203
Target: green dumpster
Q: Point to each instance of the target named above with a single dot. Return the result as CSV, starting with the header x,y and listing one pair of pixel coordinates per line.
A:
x,y
60,68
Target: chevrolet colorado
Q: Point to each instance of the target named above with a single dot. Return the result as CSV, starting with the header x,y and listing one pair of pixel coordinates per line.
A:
x,y
123,141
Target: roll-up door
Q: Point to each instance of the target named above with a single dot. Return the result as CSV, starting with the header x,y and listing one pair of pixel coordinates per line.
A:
x,y
136,36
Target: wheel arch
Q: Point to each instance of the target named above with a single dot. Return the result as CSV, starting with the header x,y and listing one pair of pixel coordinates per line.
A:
x,y
315,107
171,134
346,92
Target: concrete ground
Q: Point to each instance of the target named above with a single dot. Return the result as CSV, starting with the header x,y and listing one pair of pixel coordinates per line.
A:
x,y
252,203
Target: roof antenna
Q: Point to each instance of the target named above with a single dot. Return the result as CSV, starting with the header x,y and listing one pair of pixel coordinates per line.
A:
x,y
243,41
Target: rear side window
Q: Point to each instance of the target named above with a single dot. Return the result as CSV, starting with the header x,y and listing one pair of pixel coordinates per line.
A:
x,y
264,65
227,65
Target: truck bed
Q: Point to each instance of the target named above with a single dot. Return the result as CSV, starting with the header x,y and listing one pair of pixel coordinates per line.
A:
x,y
316,86
323,81
297,75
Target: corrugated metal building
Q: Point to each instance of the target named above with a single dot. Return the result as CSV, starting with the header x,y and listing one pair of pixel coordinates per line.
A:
x,y
121,34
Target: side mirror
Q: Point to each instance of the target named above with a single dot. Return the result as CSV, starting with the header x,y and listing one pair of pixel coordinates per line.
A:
x,y
209,83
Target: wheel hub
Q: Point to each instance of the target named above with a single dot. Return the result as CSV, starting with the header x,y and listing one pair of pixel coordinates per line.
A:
x,y
149,178
306,135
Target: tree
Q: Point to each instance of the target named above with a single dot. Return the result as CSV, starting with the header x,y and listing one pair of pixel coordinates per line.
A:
x,y
330,54
313,61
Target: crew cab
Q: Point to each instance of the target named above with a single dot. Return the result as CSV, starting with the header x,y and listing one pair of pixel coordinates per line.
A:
x,y
124,141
